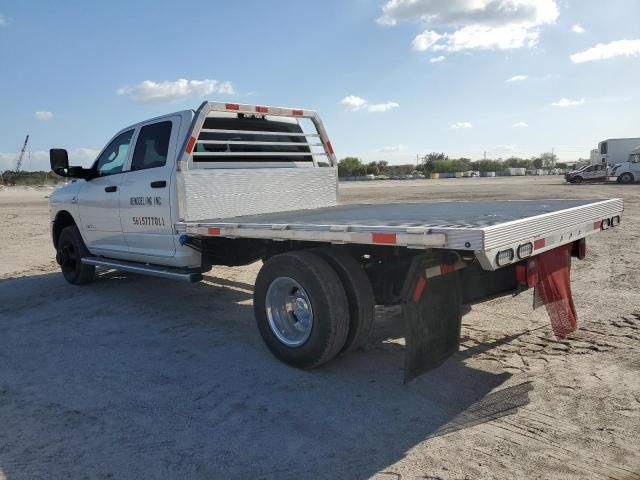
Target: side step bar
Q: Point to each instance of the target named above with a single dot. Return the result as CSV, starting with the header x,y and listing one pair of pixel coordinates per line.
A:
x,y
185,275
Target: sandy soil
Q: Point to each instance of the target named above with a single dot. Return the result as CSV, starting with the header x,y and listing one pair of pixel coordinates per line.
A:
x,y
133,377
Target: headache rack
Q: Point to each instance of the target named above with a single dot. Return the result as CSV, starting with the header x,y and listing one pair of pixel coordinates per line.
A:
x,y
234,135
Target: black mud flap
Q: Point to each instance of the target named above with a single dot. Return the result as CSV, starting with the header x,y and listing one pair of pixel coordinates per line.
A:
x,y
433,313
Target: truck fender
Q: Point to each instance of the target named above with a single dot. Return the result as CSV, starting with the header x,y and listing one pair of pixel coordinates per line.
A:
x,y
63,219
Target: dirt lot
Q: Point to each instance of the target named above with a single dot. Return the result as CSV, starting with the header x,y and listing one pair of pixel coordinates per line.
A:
x,y
133,377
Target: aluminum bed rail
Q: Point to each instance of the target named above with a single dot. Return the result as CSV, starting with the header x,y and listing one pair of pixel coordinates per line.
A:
x,y
485,228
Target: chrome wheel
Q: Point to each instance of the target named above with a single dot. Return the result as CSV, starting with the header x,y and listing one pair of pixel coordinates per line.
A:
x,y
289,311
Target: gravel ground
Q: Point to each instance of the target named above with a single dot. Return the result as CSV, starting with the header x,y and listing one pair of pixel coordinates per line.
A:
x,y
133,377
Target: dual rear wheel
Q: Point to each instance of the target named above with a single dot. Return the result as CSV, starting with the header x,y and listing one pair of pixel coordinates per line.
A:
x,y
312,305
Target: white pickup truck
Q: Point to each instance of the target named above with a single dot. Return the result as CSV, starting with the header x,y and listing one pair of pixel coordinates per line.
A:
x,y
231,184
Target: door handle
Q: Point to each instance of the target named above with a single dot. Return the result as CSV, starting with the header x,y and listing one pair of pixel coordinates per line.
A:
x,y
159,184
110,188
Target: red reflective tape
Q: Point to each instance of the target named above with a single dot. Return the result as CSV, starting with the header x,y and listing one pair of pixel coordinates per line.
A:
x,y
444,268
261,109
329,147
385,238
539,243
190,144
297,112
232,106
597,225
213,231
419,290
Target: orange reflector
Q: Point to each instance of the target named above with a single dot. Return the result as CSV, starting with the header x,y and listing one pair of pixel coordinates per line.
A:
x,y
190,144
232,106
213,231
329,147
597,225
297,112
384,238
539,243
419,290
261,109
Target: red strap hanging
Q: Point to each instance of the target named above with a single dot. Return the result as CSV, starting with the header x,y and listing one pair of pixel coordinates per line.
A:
x,y
554,289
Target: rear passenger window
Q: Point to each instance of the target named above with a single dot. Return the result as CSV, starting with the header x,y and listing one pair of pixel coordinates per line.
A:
x,y
152,146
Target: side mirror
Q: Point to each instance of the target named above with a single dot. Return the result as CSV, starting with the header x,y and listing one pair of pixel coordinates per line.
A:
x,y
59,160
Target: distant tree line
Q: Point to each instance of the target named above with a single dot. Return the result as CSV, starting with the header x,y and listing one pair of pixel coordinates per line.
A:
x,y
440,163
9,177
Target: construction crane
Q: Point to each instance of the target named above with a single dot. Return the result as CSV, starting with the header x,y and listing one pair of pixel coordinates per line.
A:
x,y
21,156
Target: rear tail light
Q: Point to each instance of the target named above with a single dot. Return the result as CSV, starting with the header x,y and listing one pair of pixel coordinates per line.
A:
x,y
525,250
527,273
504,257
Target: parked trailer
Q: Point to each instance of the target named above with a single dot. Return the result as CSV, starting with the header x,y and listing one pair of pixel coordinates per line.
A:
x,y
231,184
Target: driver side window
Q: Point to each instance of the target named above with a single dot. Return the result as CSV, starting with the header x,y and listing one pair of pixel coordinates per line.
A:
x,y
114,156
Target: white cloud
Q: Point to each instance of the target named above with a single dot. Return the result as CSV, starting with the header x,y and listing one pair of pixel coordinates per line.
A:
x,y
476,24
469,12
441,58
517,78
577,28
392,148
565,102
604,51
39,160
353,102
43,115
155,92
520,125
425,40
382,107
459,125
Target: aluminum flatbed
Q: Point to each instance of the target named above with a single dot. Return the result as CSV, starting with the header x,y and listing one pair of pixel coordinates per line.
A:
x,y
482,227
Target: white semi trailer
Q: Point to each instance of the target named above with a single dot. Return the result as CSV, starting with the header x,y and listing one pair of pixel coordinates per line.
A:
x,y
615,150
231,184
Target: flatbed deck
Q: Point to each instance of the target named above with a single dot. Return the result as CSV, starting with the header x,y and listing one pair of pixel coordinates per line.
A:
x,y
474,226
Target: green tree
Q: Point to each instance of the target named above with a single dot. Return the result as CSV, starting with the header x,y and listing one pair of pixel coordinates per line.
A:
x,y
350,166
428,160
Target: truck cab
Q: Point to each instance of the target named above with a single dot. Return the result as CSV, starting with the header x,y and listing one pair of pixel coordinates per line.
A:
x,y
125,204
629,172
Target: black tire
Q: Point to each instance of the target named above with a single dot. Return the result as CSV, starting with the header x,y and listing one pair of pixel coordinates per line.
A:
x,y
626,178
577,180
71,249
328,301
359,292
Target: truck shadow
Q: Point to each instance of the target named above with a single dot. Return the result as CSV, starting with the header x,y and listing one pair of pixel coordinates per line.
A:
x,y
134,377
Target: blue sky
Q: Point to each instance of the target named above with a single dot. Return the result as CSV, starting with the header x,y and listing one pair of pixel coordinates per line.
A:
x,y
391,79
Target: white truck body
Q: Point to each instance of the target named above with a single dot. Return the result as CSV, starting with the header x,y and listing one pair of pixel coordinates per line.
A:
x,y
229,184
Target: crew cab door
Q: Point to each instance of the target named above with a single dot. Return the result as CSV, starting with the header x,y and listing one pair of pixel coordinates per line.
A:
x,y
99,198
594,173
145,199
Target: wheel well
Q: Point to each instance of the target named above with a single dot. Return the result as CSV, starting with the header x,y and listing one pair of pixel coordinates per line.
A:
x,y
62,221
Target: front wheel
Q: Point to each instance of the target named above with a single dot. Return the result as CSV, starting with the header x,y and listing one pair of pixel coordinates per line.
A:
x,y
71,249
576,180
625,178
301,309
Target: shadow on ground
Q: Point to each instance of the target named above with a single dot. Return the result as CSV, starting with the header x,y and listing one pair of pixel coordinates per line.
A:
x,y
133,377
